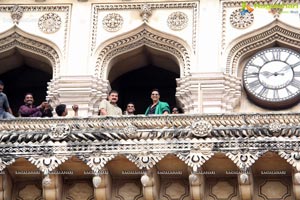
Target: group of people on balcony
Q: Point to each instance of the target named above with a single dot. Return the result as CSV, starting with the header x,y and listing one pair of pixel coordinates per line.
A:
x,y
107,106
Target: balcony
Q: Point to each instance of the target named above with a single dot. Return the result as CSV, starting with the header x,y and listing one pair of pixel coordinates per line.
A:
x,y
148,151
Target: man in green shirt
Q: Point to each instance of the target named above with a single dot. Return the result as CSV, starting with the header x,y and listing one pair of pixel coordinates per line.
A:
x,y
157,107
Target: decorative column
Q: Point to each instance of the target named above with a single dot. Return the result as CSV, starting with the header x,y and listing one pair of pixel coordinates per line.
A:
x,y
296,184
102,186
52,187
85,91
208,92
151,184
5,186
197,186
245,181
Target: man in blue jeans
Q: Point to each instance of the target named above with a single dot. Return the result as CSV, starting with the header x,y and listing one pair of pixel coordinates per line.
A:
x,y
5,110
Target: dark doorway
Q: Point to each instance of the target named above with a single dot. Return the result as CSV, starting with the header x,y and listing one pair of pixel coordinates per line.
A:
x,y
135,86
24,72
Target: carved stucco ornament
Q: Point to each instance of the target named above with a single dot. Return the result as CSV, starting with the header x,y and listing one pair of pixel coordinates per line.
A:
x,y
275,127
49,23
244,160
177,21
239,20
130,131
145,159
292,157
201,128
5,161
48,163
46,180
16,13
112,22
195,159
146,12
96,162
59,131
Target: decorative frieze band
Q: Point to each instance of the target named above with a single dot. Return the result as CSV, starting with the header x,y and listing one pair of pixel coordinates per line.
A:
x,y
194,139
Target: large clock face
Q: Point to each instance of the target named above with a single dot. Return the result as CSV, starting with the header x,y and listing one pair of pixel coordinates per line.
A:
x,y
273,76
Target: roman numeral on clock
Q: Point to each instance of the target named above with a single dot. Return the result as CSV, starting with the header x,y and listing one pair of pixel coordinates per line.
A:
x,y
276,55
276,94
264,92
288,91
295,65
253,75
297,74
254,85
264,58
295,83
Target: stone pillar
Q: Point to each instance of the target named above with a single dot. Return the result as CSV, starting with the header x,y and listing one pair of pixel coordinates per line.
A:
x,y
102,186
5,187
52,187
85,91
151,185
296,184
245,181
208,92
197,186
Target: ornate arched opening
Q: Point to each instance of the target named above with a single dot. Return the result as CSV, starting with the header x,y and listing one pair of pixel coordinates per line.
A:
x,y
276,34
28,63
144,70
128,62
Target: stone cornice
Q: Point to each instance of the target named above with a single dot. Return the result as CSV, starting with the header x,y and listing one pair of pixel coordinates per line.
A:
x,y
145,140
154,127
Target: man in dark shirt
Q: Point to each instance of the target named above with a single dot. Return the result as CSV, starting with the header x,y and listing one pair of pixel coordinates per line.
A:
x,y
29,110
5,110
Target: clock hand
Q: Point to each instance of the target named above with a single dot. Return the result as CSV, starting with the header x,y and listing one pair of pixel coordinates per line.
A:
x,y
267,74
285,68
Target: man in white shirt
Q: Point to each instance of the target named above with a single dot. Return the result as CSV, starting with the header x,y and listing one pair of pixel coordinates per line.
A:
x,y
110,107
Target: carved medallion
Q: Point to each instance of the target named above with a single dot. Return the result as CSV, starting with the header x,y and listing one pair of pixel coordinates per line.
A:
x,y
112,22
201,128
49,23
59,131
275,127
177,21
241,20
130,131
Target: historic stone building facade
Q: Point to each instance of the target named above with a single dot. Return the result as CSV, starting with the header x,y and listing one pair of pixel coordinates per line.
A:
x,y
232,66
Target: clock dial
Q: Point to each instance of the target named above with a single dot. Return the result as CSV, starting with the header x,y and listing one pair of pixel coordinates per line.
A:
x,y
272,77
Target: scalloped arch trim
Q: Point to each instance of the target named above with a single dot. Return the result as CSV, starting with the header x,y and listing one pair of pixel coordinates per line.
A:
x,y
15,37
144,35
276,31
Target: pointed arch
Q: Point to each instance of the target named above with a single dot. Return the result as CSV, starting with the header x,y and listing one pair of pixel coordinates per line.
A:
x,y
142,36
276,31
17,38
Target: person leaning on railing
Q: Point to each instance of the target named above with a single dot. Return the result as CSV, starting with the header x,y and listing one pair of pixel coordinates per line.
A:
x,y
29,110
157,107
5,110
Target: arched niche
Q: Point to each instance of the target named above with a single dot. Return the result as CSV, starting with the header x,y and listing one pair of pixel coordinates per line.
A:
x,y
139,37
28,63
145,69
142,47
